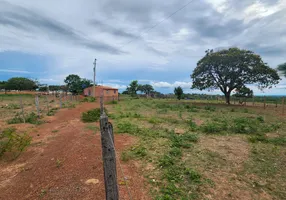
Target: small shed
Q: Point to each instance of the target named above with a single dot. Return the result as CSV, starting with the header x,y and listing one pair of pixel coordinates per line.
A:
x,y
107,92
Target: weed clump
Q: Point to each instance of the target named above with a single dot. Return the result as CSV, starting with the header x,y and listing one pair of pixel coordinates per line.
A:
x,y
13,142
91,115
52,112
214,127
31,118
88,99
210,108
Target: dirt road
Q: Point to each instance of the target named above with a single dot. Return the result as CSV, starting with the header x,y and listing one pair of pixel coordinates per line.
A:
x,y
64,162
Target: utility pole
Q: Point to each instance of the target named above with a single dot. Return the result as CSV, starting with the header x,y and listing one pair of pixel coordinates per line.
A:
x,y
94,69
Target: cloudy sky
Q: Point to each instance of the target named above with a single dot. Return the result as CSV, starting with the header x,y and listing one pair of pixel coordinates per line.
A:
x,y
132,39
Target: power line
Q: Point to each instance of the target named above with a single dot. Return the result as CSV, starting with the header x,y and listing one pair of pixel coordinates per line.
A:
x,y
158,23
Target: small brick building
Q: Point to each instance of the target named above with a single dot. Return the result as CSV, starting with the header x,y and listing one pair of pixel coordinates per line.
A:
x,y
108,92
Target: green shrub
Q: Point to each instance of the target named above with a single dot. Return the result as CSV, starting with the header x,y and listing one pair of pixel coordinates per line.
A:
x,y
91,115
213,127
244,125
260,119
10,141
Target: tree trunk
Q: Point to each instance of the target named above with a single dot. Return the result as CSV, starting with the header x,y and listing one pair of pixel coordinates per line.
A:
x,y
227,97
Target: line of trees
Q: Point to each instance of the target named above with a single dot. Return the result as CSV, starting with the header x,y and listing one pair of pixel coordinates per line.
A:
x,y
146,89
74,84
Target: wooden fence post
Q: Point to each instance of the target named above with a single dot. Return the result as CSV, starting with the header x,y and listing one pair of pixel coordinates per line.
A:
x,y
37,105
283,108
264,103
23,114
61,104
108,156
47,102
253,101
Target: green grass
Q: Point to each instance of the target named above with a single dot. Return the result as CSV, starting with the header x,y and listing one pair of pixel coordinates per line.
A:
x,y
170,140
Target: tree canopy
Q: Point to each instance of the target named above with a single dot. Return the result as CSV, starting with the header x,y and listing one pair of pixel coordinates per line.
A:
x,y
146,89
244,92
282,68
133,88
75,84
179,92
232,69
21,83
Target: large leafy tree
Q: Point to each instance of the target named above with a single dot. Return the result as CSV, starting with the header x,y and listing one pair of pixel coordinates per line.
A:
x,y
133,88
282,68
75,84
146,89
232,69
3,85
179,92
21,83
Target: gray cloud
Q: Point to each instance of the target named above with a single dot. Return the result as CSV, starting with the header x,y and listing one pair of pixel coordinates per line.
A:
x,y
111,30
32,21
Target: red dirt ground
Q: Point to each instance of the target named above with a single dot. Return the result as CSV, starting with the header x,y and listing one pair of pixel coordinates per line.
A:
x,y
62,157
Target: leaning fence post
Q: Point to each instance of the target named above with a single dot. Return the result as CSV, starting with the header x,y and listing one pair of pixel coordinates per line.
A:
x,y
108,156
37,105
23,114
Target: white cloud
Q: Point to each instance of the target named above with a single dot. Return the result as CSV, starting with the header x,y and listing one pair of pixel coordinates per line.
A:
x,y
184,85
15,71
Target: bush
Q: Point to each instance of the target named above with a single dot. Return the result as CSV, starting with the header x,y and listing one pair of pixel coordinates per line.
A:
x,y
10,141
91,115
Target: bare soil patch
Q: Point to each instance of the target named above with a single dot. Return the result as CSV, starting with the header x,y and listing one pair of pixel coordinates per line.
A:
x,y
62,157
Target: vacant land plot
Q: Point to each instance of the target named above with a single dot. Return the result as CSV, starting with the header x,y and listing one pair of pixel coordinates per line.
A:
x,y
204,151
168,149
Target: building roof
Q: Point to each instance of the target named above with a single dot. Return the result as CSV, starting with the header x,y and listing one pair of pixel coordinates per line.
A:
x,y
103,87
